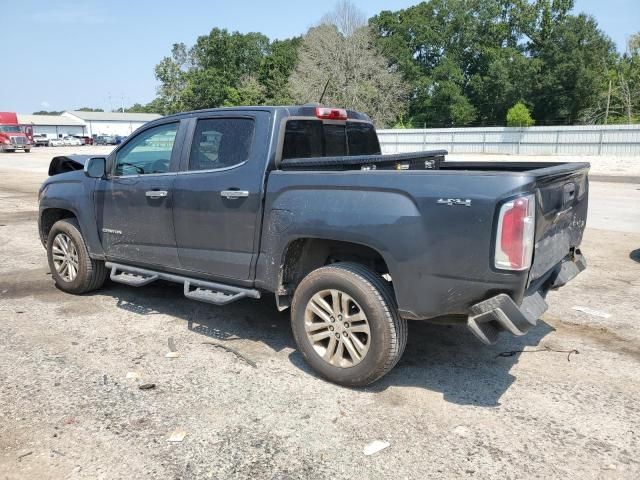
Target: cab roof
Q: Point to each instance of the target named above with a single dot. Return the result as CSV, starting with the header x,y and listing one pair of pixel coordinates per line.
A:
x,y
308,110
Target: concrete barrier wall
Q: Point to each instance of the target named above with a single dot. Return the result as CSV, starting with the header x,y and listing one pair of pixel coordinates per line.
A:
x,y
608,140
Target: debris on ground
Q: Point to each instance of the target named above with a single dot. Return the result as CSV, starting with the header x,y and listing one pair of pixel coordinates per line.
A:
x,y
25,454
172,355
511,353
231,350
172,344
133,375
375,446
177,435
592,312
147,386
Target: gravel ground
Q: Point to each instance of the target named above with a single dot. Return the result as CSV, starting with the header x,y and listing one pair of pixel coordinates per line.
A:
x,y
451,408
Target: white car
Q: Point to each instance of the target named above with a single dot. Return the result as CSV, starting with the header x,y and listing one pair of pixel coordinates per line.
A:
x,y
71,141
56,142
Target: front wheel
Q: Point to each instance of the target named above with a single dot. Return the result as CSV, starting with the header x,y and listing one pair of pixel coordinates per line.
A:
x,y
73,270
346,324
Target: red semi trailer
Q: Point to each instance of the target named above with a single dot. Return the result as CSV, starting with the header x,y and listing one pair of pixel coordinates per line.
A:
x,y
12,137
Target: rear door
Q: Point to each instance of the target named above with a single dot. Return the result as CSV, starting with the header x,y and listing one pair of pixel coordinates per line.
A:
x,y
218,194
134,204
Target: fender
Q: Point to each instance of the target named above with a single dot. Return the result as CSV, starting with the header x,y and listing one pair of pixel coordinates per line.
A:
x,y
73,191
390,225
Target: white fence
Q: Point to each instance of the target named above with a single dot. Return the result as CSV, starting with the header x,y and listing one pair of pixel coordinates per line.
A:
x,y
623,140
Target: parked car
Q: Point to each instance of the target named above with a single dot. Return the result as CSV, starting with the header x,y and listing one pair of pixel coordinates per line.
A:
x,y
105,140
84,139
40,139
298,202
56,142
71,141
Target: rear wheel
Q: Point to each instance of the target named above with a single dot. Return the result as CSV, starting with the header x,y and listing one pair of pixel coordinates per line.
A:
x,y
346,325
27,150
72,268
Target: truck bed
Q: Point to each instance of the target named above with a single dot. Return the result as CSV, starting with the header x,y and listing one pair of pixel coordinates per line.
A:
x,y
435,224
427,160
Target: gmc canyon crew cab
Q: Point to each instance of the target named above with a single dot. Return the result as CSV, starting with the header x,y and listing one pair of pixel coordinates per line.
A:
x,y
298,201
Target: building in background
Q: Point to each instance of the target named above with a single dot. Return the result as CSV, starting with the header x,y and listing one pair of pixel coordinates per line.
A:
x,y
110,123
53,126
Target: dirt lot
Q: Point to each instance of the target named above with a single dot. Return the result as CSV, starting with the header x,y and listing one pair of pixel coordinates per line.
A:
x,y
451,408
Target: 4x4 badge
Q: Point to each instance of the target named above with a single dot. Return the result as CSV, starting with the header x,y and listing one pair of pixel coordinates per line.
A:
x,y
454,201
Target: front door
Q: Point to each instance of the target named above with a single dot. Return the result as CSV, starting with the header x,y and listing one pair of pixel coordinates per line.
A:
x,y
218,195
134,204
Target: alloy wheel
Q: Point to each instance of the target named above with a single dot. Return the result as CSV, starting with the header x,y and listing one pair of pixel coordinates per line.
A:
x,y
337,328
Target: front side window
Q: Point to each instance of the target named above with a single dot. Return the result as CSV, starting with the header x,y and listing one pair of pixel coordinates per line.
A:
x,y
148,152
221,143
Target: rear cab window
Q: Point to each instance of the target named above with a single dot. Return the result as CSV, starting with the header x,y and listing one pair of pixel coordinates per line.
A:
x,y
314,138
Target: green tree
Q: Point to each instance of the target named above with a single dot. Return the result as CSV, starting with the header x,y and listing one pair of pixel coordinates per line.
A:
x,y
89,109
276,69
574,57
618,100
48,112
519,116
151,107
495,53
249,92
226,69
450,51
171,72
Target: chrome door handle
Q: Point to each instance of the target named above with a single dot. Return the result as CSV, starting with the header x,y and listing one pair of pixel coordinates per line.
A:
x,y
156,193
233,194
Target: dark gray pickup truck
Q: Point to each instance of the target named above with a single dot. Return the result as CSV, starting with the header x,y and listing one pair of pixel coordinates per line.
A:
x,y
299,202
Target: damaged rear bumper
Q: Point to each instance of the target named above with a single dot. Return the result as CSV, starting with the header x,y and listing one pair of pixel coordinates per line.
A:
x,y
500,313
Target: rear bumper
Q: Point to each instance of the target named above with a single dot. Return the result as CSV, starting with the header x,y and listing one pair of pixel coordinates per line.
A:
x,y
501,314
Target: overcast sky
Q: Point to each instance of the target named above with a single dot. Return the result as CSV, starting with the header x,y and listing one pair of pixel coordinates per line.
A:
x,y
69,54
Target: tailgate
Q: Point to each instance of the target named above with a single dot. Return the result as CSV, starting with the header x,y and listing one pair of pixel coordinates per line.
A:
x,y
562,193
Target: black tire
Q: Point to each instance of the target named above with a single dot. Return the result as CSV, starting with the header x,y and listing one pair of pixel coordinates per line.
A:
x,y
27,150
91,273
374,295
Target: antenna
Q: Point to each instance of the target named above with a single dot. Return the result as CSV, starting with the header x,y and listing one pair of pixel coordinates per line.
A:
x,y
324,90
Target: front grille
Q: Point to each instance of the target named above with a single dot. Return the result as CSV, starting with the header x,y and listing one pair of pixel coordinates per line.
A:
x,y
18,140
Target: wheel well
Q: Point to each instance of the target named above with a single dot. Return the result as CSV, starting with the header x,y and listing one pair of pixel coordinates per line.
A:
x,y
48,218
304,255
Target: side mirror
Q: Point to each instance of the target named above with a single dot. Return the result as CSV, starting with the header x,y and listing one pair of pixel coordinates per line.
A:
x,y
95,167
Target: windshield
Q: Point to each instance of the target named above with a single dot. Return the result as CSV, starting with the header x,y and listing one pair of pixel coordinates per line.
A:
x,y
10,129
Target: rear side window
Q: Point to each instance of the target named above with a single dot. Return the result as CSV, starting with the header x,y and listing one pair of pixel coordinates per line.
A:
x,y
221,143
313,138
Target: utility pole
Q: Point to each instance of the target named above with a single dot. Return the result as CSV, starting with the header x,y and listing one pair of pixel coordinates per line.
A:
x,y
606,115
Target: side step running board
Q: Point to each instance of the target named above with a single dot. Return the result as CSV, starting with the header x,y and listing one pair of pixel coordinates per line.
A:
x,y
202,290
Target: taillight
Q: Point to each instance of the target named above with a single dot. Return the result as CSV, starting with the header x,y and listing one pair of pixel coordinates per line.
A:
x,y
515,235
331,113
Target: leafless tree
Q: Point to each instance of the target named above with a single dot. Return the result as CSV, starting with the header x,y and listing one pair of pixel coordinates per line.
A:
x,y
346,17
341,51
